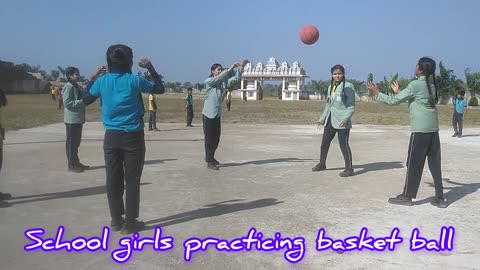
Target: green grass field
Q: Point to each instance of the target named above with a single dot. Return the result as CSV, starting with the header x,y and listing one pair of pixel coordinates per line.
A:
x,y
25,111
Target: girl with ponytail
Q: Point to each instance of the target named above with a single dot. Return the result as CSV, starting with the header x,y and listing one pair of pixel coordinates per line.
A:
x,y
422,98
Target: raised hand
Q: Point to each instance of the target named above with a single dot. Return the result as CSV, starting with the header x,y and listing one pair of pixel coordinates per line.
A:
x,y
98,71
145,63
395,87
234,65
373,88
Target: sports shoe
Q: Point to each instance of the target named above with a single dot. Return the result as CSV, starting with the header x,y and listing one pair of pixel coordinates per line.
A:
x,y
347,173
212,166
132,225
401,200
117,224
83,167
319,167
75,169
439,202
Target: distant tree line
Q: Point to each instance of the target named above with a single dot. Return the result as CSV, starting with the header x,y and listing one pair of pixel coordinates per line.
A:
x,y
447,82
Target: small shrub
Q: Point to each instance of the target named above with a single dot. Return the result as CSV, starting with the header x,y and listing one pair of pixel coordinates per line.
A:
x,y
473,102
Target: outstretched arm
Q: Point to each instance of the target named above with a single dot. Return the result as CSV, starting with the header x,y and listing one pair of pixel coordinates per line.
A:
x,y
88,98
402,96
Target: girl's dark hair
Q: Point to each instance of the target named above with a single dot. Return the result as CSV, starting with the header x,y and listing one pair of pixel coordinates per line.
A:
x,y
461,92
69,71
120,58
214,66
342,69
3,98
428,66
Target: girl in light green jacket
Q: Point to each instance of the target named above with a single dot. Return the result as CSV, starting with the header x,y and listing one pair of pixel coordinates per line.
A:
x,y
422,98
337,118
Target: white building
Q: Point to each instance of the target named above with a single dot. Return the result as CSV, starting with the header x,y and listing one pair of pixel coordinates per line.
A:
x,y
293,80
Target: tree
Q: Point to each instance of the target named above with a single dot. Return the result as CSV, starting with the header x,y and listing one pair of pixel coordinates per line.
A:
x,y
445,83
55,74
43,72
320,86
37,69
270,90
314,85
384,86
472,81
62,71
279,91
23,68
360,87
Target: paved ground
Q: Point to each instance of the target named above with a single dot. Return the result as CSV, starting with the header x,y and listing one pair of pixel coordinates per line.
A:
x,y
266,183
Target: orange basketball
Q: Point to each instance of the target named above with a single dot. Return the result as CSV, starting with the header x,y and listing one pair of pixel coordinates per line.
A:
x,y
309,34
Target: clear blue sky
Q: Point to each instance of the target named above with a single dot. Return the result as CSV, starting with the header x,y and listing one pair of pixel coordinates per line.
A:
x,y
183,38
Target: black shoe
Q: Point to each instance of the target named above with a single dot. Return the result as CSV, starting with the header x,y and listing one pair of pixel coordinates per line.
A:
x,y
439,202
401,200
459,135
4,204
212,166
319,167
75,169
150,129
156,129
117,224
131,226
454,134
83,167
189,126
216,162
5,196
347,173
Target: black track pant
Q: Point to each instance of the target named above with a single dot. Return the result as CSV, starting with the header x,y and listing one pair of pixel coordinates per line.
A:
x,y
124,158
212,131
343,137
423,145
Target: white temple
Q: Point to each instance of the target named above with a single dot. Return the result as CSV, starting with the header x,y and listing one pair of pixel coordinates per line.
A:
x,y
292,77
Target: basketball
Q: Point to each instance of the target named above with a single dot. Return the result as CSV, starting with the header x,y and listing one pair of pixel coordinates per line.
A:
x,y
309,34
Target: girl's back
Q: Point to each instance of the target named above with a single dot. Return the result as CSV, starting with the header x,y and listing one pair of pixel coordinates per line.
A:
x,y
122,107
423,116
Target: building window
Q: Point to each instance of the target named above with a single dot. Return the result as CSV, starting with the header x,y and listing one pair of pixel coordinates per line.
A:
x,y
250,94
288,95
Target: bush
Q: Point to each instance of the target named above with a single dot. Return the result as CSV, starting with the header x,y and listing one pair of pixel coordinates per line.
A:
x,y
473,102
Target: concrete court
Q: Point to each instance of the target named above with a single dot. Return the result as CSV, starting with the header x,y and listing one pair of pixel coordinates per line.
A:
x,y
266,183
